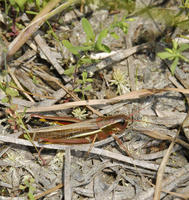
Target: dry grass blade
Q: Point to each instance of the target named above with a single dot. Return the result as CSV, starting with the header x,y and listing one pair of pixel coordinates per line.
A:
x,y
49,191
19,85
130,95
161,169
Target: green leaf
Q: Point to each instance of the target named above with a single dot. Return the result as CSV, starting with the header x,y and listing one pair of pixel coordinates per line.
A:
x,y
22,187
31,12
37,2
174,65
114,35
124,27
70,70
99,46
184,58
76,49
12,2
88,87
105,48
164,55
27,137
84,75
21,3
2,87
70,47
5,100
90,80
77,90
11,92
31,196
86,60
88,47
183,47
169,50
88,29
175,44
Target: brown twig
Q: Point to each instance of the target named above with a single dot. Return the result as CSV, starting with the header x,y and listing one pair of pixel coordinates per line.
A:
x,y
130,95
48,191
161,169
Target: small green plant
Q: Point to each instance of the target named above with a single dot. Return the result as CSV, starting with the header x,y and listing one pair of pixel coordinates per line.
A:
x,y
28,183
84,84
174,54
79,113
185,4
15,119
119,79
94,43
8,91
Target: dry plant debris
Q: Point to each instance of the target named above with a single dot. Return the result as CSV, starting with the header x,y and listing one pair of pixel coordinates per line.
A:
x,y
78,58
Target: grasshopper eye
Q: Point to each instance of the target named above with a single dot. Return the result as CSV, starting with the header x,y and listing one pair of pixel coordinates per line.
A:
x,y
122,121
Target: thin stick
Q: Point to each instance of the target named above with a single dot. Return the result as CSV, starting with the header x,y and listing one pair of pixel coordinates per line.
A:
x,y
19,85
161,169
49,191
130,95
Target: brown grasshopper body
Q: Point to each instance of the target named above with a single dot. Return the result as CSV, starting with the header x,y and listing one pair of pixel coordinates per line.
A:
x,y
82,132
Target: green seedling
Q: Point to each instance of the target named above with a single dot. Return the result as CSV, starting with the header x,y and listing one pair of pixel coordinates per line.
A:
x,y
84,84
28,184
174,54
79,113
8,91
15,120
18,4
94,43
119,80
185,4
